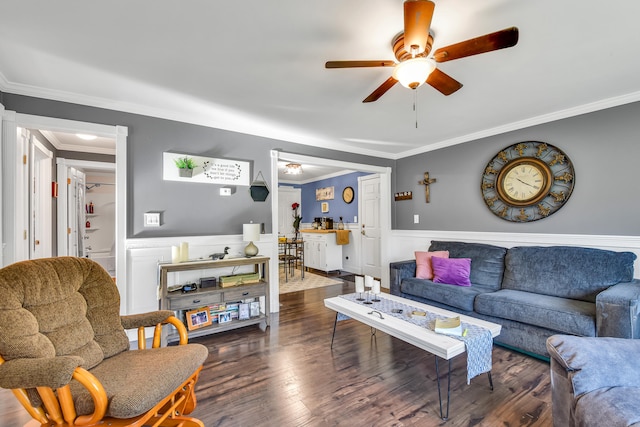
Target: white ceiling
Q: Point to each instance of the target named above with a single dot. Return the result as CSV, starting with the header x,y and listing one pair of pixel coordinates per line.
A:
x,y
257,67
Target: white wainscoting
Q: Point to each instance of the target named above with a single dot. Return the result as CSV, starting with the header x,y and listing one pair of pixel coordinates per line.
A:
x,y
143,256
403,243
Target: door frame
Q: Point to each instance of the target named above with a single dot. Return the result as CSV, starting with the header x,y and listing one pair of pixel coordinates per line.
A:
x,y
62,165
12,120
385,204
42,199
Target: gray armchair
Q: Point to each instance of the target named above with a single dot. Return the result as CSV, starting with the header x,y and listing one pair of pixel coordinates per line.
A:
x,y
595,381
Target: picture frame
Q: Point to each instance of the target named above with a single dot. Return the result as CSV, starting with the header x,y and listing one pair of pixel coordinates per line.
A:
x,y
198,318
324,207
224,317
324,193
243,311
254,309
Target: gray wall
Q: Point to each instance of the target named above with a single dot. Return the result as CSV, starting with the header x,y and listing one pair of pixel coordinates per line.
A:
x,y
188,208
604,147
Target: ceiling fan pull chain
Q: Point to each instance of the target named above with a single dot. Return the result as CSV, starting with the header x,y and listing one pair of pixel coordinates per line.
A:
x,y
415,105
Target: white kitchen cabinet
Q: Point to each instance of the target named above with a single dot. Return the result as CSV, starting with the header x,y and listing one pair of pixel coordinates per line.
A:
x,y
321,251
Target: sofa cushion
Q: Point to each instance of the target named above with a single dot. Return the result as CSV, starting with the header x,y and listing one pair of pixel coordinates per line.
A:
x,y
455,296
423,263
568,272
487,261
453,271
558,314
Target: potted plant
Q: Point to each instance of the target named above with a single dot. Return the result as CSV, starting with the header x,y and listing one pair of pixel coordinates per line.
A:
x,y
185,166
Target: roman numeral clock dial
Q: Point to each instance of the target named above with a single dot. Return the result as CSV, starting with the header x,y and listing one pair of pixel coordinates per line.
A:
x,y
527,181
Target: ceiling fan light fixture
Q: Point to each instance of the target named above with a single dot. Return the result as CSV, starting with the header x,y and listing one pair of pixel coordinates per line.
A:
x,y
412,73
293,169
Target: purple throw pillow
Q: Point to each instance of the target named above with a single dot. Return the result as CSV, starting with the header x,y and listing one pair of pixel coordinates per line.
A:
x,y
452,271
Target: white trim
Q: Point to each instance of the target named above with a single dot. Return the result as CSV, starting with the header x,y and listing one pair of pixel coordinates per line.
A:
x,y
385,199
120,134
184,117
2,244
522,124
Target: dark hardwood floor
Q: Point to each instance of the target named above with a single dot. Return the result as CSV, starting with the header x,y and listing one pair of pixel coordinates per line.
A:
x,y
289,376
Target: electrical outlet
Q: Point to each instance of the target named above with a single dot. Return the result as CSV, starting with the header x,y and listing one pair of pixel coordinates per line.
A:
x,y
416,219
152,219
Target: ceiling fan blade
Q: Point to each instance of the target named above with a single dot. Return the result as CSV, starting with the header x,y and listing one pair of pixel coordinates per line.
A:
x,y
417,21
487,43
443,83
355,64
381,90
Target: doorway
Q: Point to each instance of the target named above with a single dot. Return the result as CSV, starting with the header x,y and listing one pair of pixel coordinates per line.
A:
x,y
384,218
13,194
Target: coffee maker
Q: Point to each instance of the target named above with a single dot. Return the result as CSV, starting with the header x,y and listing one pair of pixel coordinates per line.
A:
x,y
327,223
317,223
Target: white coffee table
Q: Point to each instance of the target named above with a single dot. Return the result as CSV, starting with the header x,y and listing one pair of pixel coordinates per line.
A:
x,y
441,346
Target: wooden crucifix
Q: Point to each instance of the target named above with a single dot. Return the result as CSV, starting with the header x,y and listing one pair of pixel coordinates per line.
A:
x,y
426,182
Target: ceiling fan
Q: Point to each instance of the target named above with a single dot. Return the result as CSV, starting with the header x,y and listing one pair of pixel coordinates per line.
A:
x,y
412,47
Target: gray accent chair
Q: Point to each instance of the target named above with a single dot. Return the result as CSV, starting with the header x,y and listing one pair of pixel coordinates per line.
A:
x,y
595,381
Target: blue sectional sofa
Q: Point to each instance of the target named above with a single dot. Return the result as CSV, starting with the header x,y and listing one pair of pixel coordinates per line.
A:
x,y
535,292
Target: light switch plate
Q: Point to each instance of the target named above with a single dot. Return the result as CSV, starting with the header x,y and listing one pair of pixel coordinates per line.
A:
x,y
416,219
152,219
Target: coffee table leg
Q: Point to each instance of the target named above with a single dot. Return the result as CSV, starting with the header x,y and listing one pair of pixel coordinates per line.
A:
x,y
335,323
444,417
490,381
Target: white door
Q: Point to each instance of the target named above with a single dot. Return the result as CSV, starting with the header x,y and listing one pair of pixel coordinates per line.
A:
x,y
40,212
75,212
370,232
286,197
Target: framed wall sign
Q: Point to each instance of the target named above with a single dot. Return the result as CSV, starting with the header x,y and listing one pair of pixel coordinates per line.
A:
x,y
324,207
325,193
207,170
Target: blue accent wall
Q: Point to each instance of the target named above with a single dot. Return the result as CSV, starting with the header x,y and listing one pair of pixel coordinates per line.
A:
x,y
337,207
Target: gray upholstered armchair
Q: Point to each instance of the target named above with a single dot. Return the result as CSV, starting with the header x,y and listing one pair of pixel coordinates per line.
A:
x,y
595,381
65,354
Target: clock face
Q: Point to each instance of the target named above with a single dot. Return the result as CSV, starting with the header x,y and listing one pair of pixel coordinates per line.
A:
x,y
527,181
347,195
524,181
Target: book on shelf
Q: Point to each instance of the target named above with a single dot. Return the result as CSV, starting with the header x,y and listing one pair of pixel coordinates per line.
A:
x,y
449,326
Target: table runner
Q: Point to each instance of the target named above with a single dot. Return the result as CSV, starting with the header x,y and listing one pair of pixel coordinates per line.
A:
x,y
478,340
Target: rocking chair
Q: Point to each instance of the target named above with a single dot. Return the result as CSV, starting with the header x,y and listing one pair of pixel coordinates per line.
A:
x,y
65,354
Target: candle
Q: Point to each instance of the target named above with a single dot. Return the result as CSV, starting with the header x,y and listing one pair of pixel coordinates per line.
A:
x,y
376,287
184,251
359,284
175,254
368,281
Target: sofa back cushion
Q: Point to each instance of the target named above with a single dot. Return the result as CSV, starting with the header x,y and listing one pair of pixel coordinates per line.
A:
x,y
487,261
60,307
568,272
